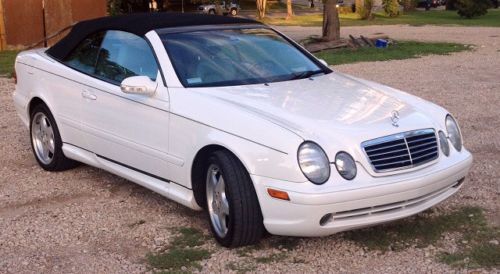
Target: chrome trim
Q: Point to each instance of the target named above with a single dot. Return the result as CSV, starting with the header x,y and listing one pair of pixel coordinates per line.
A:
x,y
402,137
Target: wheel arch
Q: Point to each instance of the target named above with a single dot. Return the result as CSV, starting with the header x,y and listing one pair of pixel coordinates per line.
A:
x,y
35,101
198,170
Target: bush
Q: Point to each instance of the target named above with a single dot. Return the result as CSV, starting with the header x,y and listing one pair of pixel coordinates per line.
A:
x,y
409,5
365,9
450,5
391,7
472,8
345,10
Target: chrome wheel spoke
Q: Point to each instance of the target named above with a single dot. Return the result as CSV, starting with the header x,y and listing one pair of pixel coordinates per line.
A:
x,y
44,124
51,144
222,222
218,206
219,187
225,205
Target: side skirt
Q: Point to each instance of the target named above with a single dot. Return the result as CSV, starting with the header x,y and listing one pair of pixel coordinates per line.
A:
x,y
165,188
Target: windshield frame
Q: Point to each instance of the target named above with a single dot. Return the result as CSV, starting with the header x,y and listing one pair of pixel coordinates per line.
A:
x,y
322,68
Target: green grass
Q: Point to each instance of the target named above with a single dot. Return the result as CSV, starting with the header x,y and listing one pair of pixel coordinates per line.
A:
x,y
417,18
183,251
189,237
475,249
7,59
399,51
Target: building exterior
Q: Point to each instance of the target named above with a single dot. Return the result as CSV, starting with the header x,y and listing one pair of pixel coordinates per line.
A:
x,y
24,22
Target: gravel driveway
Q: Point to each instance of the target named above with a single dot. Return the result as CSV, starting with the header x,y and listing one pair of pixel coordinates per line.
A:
x,y
88,221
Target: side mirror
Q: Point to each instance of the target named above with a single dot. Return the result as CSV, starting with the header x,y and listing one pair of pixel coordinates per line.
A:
x,y
141,85
323,62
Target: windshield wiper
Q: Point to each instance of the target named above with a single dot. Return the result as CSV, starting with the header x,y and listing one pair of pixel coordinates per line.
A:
x,y
306,74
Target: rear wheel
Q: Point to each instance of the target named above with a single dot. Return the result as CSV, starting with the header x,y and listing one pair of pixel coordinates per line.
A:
x,y
46,141
232,205
234,12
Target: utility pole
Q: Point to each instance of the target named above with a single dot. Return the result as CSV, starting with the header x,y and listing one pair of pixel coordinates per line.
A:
x,y
44,25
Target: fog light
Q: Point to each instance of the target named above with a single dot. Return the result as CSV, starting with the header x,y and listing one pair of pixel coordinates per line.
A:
x,y
325,219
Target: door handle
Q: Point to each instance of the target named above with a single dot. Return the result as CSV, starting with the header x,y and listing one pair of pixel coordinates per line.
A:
x,y
87,95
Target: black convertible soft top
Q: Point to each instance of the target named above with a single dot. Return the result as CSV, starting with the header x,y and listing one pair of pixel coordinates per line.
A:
x,y
138,24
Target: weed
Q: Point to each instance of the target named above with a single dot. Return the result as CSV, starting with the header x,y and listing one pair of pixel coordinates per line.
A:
x,y
189,237
176,258
183,251
241,267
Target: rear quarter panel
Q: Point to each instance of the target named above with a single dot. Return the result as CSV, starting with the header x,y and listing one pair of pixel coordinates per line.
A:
x,y
58,86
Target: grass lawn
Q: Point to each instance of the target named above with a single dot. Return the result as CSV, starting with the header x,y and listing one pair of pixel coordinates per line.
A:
x,y
7,59
402,50
417,18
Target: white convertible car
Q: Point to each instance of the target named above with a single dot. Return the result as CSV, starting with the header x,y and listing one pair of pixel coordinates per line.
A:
x,y
229,115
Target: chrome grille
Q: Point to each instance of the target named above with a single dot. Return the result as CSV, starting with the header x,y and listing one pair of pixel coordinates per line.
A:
x,y
402,150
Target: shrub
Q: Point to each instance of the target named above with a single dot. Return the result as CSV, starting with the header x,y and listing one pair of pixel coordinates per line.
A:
x,y
364,9
472,8
344,10
409,5
450,5
391,7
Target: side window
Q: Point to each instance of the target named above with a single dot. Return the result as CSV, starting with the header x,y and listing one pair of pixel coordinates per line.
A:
x,y
124,55
84,56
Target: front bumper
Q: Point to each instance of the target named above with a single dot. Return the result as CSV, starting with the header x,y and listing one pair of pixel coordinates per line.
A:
x,y
321,212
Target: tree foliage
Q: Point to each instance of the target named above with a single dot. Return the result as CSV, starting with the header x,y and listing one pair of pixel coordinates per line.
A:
x,y
391,7
472,8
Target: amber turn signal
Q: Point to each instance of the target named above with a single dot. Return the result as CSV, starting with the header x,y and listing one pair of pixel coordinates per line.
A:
x,y
278,194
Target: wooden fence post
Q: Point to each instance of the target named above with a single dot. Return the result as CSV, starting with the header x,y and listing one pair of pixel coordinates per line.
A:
x,y
3,37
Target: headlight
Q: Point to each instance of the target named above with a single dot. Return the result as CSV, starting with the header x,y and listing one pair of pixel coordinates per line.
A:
x,y
313,162
345,165
443,143
454,133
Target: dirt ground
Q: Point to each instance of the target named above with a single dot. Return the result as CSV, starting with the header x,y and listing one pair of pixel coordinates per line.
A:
x,y
89,221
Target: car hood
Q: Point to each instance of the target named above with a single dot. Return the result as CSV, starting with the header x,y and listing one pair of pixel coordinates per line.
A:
x,y
332,107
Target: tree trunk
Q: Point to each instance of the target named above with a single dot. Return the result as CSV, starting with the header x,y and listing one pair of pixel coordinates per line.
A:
x,y
289,11
218,8
261,8
360,4
331,22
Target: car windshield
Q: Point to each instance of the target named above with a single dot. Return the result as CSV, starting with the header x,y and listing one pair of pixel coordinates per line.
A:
x,y
228,57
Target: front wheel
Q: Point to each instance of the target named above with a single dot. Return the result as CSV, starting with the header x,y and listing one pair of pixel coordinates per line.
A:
x,y
232,205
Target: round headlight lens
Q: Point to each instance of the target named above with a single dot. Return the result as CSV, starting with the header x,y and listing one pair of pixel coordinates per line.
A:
x,y
454,133
314,163
345,165
443,142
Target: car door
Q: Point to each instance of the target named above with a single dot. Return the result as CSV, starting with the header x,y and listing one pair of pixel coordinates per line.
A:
x,y
67,84
127,129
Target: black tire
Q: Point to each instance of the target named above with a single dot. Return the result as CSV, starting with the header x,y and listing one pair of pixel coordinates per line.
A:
x,y
245,222
59,162
234,12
